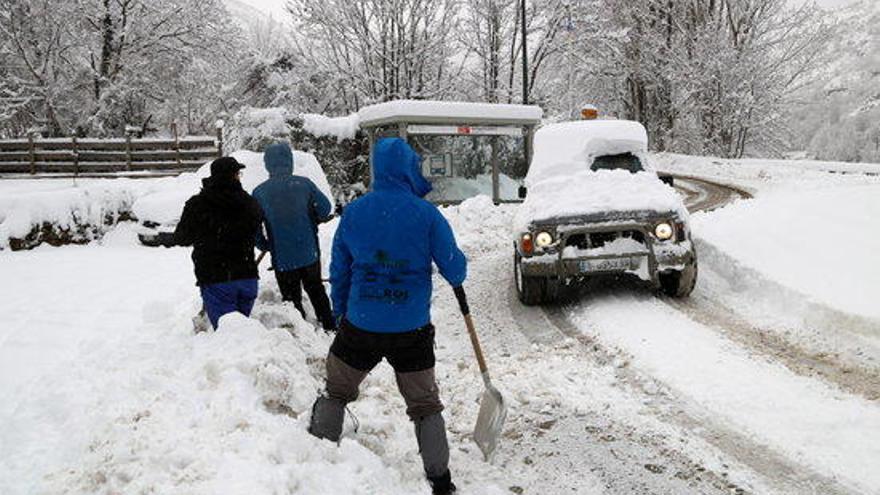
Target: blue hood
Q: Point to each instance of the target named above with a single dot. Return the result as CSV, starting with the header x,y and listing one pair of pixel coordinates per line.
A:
x,y
278,159
396,167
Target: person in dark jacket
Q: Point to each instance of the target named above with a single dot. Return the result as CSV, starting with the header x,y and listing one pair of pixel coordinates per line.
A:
x,y
380,276
293,207
221,222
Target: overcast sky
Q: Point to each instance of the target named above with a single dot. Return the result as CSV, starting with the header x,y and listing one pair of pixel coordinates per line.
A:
x,y
276,7
273,7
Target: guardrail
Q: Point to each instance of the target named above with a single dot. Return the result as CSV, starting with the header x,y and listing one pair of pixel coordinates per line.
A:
x,y
79,156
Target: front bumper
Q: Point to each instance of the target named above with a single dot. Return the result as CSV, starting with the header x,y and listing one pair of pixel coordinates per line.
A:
x,y
645,259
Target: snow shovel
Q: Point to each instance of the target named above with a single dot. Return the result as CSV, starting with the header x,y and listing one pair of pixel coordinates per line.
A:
x,y
493,410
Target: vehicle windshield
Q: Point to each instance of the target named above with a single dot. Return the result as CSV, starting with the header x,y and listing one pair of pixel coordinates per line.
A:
x,y
624,161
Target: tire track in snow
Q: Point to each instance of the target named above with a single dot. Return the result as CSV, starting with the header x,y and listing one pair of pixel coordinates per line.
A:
x,y
851,377
775,469
707,195
813,428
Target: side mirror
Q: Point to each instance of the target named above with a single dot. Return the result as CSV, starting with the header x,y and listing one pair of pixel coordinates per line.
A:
x,y
666,179
521,192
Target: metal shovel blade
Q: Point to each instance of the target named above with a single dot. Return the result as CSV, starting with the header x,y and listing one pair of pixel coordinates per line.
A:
x,y
490,420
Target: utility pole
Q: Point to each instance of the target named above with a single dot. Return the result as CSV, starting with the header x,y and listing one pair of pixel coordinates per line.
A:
x,y
527,137
525,53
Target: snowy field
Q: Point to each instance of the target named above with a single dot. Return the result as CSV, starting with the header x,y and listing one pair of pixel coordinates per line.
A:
x,y
766,381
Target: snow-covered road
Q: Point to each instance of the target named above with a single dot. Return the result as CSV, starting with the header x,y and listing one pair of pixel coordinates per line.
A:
x,y
762,382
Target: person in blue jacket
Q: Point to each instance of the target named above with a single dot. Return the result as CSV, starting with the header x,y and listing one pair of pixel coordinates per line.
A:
x,y
380,277
292,209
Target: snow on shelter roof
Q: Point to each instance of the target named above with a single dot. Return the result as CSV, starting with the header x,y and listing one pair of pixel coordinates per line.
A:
x,y
449,112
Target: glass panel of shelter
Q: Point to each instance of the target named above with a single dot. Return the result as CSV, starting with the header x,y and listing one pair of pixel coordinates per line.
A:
x,y
465,163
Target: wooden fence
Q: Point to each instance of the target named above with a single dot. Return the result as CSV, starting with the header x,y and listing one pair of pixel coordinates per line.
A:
x,y
86,156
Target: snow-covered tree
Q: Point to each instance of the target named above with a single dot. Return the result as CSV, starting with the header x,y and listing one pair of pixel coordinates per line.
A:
x,y
38,52
140,51
95,66
704,76
378,50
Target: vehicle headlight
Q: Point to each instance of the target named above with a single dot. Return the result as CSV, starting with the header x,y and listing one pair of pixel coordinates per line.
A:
x,y
543,239
664,231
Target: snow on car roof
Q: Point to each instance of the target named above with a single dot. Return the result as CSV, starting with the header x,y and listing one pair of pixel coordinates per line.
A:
x,y
568,147
449,112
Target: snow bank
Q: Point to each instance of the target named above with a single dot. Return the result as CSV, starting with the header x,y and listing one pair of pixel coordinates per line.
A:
x,y
760,174
480,226
589,192
60,211
224,414
165,205
63,211
822,242
338,127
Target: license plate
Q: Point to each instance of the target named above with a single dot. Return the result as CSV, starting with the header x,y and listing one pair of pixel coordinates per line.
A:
x,y
609,265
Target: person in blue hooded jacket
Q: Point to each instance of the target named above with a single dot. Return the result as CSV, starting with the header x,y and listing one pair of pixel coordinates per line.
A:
x,y
292,208
380,276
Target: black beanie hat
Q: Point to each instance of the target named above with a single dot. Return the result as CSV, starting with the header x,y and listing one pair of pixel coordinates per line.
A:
x,y
225,167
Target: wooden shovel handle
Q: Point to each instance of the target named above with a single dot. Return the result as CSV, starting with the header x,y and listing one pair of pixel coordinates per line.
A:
x,y
472,332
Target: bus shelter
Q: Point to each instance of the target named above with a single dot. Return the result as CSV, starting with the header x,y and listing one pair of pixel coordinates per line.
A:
x,y
467,149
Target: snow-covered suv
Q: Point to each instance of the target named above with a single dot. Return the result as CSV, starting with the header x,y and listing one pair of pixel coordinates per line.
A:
x,y
595,206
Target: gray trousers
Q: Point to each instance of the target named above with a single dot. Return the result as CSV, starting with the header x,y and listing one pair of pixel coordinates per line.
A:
x,y
423,406
418,388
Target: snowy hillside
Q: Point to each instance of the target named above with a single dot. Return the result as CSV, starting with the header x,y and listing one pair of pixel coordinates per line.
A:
x,y
839,120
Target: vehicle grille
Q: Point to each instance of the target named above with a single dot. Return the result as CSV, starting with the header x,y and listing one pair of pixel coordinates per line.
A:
x,y
599,239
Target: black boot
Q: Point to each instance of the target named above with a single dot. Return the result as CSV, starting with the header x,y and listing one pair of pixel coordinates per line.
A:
x,y
329,325
327,418
442,485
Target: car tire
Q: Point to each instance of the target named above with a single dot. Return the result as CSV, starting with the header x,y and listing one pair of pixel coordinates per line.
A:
x,y
679,283
533,291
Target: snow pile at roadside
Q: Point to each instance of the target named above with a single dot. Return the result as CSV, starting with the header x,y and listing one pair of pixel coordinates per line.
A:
x,y
219,413
822,242
77,213
338,127
597,192
166,205
759,173
480,226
